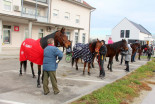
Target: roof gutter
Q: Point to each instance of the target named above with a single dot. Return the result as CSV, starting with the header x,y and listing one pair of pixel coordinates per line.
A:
x,y
79,3
89,23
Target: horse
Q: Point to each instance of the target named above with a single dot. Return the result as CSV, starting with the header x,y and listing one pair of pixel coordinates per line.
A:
x,y
134,47
140,50
32,50
86,52
114,48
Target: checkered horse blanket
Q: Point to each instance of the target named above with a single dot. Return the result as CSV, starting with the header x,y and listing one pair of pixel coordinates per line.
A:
x,y
82,51
31,50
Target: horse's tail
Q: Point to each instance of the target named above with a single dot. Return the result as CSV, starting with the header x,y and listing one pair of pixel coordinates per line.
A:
x,y
73,60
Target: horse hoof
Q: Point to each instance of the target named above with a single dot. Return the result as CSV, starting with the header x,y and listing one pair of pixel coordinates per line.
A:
x,y
34,76
89,73
20,74
39,86
110,70
83,73
76,68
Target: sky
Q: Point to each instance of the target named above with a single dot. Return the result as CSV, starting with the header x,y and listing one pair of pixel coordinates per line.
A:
x,y
109,13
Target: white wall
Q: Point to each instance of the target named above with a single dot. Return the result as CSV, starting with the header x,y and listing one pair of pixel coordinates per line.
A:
x,y
74,10
12,12
124,25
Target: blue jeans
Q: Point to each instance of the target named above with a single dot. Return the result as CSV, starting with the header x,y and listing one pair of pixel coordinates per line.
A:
x,y
133,57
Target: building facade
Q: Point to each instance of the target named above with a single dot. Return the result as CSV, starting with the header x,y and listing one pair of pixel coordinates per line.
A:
x,y
21,19
131,31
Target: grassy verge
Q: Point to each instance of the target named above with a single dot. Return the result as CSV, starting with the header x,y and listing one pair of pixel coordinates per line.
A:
x,y
123,90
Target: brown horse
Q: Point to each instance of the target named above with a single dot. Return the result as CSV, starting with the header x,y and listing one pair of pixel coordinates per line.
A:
x,y
60,39
86,52
140,50
135,47
114,48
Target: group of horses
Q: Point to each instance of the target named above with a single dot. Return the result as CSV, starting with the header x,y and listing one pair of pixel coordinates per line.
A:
x,y
93,47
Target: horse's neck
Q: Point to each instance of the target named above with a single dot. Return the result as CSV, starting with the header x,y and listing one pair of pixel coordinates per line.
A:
x,y
116,46
43,41
91,48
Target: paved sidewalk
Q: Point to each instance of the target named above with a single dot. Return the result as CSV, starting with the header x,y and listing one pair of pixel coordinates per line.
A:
x,y
150,98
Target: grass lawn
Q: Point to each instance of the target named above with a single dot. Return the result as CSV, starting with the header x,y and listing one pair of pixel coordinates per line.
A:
x,y
123,90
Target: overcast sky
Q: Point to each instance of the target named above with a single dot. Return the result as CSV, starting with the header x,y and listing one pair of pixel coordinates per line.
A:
x,y
109,13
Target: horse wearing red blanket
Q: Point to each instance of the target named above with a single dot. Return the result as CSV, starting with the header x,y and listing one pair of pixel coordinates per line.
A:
x,y
32,50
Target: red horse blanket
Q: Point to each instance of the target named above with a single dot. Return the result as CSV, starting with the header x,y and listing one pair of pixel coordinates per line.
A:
x,y
32,51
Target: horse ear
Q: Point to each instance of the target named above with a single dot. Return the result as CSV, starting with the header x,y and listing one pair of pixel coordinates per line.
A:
x,y
63,30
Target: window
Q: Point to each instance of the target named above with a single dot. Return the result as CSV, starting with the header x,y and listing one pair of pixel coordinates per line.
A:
x,y
68,35
26,33
127,33
76,37
79,0
83,38
31,11
67,15
7,5
55,12
77,20
6,34
43,1
41,33
122,33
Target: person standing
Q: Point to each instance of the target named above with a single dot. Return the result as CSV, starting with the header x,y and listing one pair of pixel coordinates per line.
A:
x,y
134,55
149,53
122,55
110,41
101,56
127,57
52,55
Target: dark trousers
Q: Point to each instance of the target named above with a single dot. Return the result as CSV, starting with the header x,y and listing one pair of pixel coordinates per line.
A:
x,y
149,56
127,65
122,58
101,63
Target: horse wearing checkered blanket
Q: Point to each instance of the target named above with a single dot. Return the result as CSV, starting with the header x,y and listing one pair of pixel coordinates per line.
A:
x,y
86,52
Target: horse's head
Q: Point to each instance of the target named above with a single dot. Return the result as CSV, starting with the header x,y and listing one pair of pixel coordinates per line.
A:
x,y
98,46
124,44
136,46
95,46
62,38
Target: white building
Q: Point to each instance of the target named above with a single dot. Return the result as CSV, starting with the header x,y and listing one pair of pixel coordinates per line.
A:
x,y
21,19
131,31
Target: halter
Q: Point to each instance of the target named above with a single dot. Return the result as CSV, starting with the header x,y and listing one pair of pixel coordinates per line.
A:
x,y
62,40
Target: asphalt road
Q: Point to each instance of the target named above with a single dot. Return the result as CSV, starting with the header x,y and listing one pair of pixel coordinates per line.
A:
x,y
15,89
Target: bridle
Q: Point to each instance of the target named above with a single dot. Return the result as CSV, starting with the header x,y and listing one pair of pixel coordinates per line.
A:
x,y
63,41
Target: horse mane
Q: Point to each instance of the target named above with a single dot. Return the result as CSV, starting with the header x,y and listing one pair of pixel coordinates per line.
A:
x,y
43,40
116,45
143,46
93,44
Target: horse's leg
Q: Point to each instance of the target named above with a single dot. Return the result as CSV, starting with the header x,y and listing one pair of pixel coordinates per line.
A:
x,y
39,72
111,62
92,64
25,66
108,64
20,72
88,68
116,57
32,69
42,77
139,55
84,68
76,60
